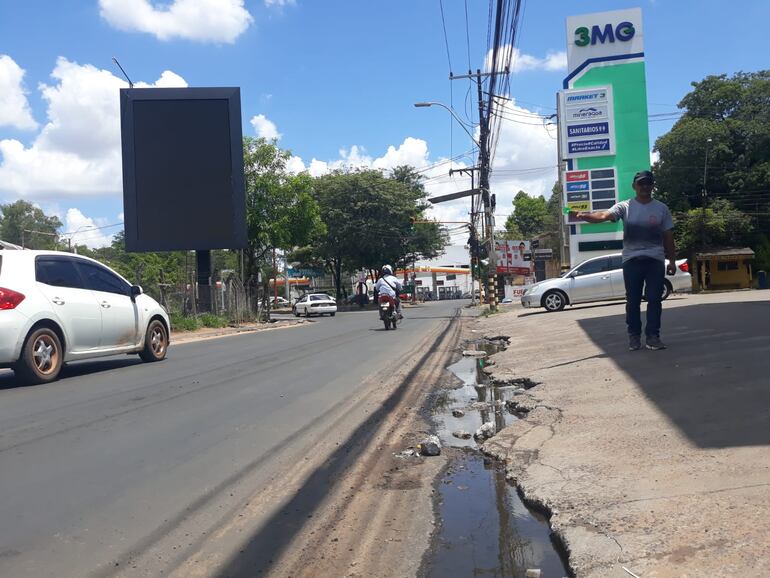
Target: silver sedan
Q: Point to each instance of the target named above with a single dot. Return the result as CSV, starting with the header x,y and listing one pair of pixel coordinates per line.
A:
x,y
597,279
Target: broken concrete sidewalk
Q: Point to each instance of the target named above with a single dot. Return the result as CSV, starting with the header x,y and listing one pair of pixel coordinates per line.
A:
x,y
653,463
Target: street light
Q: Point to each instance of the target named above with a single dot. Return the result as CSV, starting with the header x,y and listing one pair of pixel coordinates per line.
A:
x,y
452,112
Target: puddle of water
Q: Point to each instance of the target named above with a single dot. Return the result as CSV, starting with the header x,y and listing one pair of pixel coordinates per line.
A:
x,y
480,401
486,530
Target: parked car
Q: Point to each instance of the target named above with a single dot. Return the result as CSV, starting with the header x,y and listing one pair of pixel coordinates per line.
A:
x,y
57,307
597,279
506,301
279,302
315,304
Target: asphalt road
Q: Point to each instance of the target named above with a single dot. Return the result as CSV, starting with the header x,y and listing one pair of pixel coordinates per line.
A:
x,y
103,465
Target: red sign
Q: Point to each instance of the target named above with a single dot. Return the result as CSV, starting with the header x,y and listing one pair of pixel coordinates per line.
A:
x,y
577,176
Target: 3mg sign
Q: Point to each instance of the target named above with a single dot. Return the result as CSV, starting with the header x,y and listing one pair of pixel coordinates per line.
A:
x,y
595,37
623,32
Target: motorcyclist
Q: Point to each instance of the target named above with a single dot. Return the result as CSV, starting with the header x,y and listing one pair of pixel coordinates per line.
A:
x,y
388,284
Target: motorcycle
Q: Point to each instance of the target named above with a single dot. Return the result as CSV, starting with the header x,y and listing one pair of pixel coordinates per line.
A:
x,y
388,313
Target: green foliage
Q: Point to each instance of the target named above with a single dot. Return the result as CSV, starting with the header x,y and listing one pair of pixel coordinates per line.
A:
x,y
761,245
280,209
211,320
530,217
181,322
369,220
720,225
22,215
734,112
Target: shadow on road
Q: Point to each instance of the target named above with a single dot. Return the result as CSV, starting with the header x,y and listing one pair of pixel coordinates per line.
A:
x,y
268,543
8,379
713,382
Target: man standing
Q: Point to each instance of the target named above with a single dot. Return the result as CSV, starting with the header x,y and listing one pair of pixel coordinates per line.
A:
x,y
648,240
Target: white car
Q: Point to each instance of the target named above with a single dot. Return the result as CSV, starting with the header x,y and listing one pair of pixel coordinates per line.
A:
x,y
315,304
279,302
597,279
57,307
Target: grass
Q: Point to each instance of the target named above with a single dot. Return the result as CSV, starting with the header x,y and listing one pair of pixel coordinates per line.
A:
x,y
181,322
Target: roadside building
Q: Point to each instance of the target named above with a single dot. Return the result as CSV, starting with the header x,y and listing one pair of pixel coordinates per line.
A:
x,y
724,269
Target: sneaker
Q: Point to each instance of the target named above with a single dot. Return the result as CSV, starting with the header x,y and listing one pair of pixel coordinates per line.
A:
x,y
634,342
654,343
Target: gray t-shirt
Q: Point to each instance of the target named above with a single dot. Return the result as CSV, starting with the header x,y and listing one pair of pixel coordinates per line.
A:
x,y
643,227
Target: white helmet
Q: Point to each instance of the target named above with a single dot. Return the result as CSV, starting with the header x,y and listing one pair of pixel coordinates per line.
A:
x,y
387,270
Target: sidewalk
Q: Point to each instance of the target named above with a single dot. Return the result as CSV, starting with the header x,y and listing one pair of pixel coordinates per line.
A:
x,y
658,462
214,332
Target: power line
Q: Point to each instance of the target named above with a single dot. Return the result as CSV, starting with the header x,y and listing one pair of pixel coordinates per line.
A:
x,y
446,39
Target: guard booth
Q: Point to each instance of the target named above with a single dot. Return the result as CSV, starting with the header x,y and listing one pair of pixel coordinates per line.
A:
x,y
724,269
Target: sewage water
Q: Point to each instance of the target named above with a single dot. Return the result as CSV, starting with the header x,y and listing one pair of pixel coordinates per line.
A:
x,y
485,528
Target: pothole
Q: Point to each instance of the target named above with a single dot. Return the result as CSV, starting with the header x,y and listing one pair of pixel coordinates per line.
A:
x,y
485,528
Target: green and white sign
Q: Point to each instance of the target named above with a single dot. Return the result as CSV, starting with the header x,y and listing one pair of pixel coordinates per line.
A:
x,y
605,52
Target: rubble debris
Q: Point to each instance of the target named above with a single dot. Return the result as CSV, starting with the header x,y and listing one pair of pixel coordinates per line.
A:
x,y
485,432
430,446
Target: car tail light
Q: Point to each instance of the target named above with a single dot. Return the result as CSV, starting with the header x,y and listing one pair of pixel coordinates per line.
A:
x,y
9,299
685,267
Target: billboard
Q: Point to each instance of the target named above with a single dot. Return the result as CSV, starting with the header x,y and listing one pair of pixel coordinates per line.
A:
x,y
183,185
590,190
511,257
587,122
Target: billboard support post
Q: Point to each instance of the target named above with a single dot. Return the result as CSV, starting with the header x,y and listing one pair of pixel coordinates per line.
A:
x,y
203,268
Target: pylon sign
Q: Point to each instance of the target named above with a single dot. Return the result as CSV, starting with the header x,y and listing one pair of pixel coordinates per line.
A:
x,y
602,120
588,127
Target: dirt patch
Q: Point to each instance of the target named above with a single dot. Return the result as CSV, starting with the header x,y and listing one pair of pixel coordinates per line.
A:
x,y
350,507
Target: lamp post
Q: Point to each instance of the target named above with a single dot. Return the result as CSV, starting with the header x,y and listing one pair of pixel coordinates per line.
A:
x,y
483,185
452,112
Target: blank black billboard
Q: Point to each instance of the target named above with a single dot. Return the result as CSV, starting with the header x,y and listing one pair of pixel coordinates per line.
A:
x,y
183,184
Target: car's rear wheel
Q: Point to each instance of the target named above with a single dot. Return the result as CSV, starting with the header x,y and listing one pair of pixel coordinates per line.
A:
x,y
155,342
554,301
42,357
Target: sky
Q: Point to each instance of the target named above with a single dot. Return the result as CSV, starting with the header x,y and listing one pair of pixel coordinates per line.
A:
x,y
334,81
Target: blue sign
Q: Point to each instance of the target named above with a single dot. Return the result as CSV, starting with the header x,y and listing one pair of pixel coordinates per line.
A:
x,y
587,146
578,186
590,129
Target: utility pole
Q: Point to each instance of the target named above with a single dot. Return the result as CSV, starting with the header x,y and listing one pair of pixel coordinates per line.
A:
x,y
485,197
704,197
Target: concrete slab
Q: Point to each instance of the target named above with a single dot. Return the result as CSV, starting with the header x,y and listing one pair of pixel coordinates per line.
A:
x,y
653,463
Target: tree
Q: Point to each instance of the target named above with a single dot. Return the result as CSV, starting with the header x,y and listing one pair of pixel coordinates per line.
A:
x,y
720,225
734,113
370,220
23,223
281,212
530,215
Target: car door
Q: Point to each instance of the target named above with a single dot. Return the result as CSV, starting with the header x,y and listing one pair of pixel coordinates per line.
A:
x,y
616,276
591,281
302,304
120,315
75,306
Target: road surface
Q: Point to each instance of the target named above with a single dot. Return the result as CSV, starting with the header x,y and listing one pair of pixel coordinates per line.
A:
x,y
125,468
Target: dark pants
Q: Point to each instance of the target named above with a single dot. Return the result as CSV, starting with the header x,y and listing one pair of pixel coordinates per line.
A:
x,y
644,274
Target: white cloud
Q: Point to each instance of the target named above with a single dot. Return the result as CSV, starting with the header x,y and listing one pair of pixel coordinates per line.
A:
x,y
521,62
265,128
14,108
279,3
295,165
84,230
198,20
525,159
77,152
654,157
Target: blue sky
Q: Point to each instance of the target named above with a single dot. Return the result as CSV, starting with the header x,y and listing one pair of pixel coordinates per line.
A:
x,y
335,80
